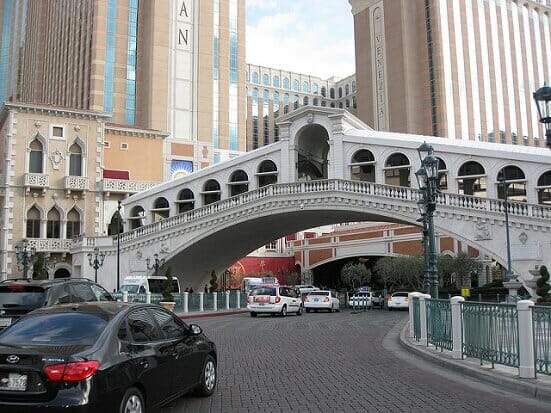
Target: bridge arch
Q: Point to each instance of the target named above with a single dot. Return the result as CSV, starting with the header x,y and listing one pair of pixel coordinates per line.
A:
x,y
312,152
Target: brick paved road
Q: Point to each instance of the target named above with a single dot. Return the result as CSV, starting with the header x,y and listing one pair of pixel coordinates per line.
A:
x,y
338,362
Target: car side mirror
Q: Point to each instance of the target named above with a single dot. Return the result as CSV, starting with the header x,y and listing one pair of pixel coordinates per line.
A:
x,y
195,330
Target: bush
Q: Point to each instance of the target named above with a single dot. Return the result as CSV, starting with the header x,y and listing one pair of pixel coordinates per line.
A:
x,y
543,286
167,287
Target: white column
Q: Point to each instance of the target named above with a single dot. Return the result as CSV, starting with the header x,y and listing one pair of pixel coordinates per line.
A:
x,y
215,301
411,315
423,317
457,337
238,301
201,302
526,367
186,302
148,297
125,296
227,300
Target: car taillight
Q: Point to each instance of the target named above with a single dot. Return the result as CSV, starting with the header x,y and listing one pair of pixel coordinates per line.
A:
x,y
326,300
75,371
249,299
278,299
306,300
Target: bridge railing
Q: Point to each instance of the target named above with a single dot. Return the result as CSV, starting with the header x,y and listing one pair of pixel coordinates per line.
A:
x,y
515,335
329,185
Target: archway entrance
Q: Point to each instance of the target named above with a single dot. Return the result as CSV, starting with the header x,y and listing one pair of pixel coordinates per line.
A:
x,y
62,273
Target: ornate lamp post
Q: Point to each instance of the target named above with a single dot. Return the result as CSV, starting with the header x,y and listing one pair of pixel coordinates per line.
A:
x,y
157,263
427,178
96,261
24,255
118,243
542,96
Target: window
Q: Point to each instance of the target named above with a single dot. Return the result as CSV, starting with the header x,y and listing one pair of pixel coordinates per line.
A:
x,y
81,293
170,326
106,144
305,87
296,85
346,90
211,192
285,83
73,224
160,210
266,79
142,327
137,217
471,179
267,173
255,77
276,81
57,131
332,93
315,88
124,146
36,157
239,183
397,170
340,92
75,160
305,101
363,166
295,102
323,91
186,200
33,223
53,225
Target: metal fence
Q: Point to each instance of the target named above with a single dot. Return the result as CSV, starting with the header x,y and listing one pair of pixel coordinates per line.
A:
x,y
541,321
439,324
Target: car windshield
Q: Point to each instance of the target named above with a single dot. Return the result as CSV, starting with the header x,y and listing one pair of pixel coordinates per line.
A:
x,y
58,329
16,295
264,291
326,293
131,288
400,294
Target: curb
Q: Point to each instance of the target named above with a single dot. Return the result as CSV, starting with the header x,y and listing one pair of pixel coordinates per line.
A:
x,y
525,387
210,314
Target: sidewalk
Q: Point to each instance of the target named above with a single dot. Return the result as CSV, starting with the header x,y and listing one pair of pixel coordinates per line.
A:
x,y
210,313
502,376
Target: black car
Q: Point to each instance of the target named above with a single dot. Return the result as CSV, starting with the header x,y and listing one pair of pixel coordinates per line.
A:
x,y
20,296
102,357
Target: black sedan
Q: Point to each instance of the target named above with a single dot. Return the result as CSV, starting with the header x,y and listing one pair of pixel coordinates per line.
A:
x,y
102,357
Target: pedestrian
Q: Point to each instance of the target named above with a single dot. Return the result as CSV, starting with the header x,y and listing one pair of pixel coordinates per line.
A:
x,y
187,290
191,290
206,289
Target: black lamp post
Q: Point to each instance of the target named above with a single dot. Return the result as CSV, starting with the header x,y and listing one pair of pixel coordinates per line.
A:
x,y
118,243
96,260
427,178
502,181
24,255
542,96
158,263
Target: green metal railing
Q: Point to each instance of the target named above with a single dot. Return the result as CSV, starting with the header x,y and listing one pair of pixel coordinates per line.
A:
x,y
416,319
439,323
541,322
490,332
193,300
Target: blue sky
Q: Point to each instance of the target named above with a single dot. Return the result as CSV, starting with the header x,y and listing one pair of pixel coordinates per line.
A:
x,y
313,37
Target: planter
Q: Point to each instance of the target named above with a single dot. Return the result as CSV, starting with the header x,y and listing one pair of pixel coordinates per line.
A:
x,y
169,305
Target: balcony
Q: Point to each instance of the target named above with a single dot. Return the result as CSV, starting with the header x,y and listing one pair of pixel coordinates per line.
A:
x,y
50,244
76,183
34,180
125,186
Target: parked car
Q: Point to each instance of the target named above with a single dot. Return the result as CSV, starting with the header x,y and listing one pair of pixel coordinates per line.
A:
x,y
102,357
321,300
398,300
20,296
378,299
361,300
274,299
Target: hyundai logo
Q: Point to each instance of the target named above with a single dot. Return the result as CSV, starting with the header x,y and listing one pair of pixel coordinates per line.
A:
x,y
12,359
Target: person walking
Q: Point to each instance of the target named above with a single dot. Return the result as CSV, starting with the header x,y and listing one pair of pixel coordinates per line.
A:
x,y
206,289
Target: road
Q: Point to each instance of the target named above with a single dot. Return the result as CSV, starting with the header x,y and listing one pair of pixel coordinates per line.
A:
x,y
339,362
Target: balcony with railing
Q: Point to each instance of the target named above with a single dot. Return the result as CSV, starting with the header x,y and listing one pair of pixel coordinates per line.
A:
x,y
126,186
36,180
50,244
76,183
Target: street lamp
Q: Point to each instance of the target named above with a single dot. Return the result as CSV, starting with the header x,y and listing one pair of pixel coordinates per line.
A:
x,y
158,263
501,179
427,178
24,255
96,262
118,243
542,96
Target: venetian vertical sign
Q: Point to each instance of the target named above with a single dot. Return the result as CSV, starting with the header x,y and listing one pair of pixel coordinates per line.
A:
x,y
379,68
184,24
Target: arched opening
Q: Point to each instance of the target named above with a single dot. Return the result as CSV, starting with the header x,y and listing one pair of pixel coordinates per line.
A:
x,y
362,167
116,222
62,273
53,225
239,183
515,184
211,192
397,170
471,179
136,218
33,223
73,224
442,175
186,200
544,189
267,173
160,210
36,157
313,149
75,160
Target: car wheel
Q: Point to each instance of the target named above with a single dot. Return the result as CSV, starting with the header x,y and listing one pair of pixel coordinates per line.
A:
x,y
208,378
253,314
307,310
132,402
299,312
283,311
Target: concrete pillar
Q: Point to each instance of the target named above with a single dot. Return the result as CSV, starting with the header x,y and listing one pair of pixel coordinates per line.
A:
x,y
526,366
148,297
214,301
411,333
125,296
186,302
238,301
227,300
201,301
423,317
457,337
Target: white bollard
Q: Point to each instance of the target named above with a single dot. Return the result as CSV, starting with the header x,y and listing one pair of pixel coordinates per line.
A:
x,y
215,301
186,302
148,297
201,308
238,300
423,318
227,300
125,296
411,320
457,337
526,365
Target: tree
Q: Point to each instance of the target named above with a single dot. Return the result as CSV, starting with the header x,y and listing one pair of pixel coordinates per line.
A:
x,y
39,267
168,286
213,282
543,286
401,272
355,274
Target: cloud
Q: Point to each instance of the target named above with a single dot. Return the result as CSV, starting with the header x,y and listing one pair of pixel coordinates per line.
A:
x,y
262,4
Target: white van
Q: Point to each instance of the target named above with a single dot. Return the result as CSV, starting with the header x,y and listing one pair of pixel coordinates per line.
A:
x,y
141,284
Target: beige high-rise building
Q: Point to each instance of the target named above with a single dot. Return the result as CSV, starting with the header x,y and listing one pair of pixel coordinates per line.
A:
x,y
170,65
458,69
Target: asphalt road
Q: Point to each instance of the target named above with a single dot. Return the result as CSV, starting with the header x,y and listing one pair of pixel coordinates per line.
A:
x,y
338,362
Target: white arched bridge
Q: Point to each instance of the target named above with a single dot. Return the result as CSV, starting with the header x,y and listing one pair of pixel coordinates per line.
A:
x,y
329,167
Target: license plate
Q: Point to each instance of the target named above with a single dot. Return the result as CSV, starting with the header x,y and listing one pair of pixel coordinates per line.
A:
x,y
260,304
5,322
316,299
14,381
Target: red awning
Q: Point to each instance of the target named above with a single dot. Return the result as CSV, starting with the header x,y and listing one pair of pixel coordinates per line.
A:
x,y
114,174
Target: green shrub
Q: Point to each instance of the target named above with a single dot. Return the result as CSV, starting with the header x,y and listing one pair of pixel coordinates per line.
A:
x,y
543,286
167,287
